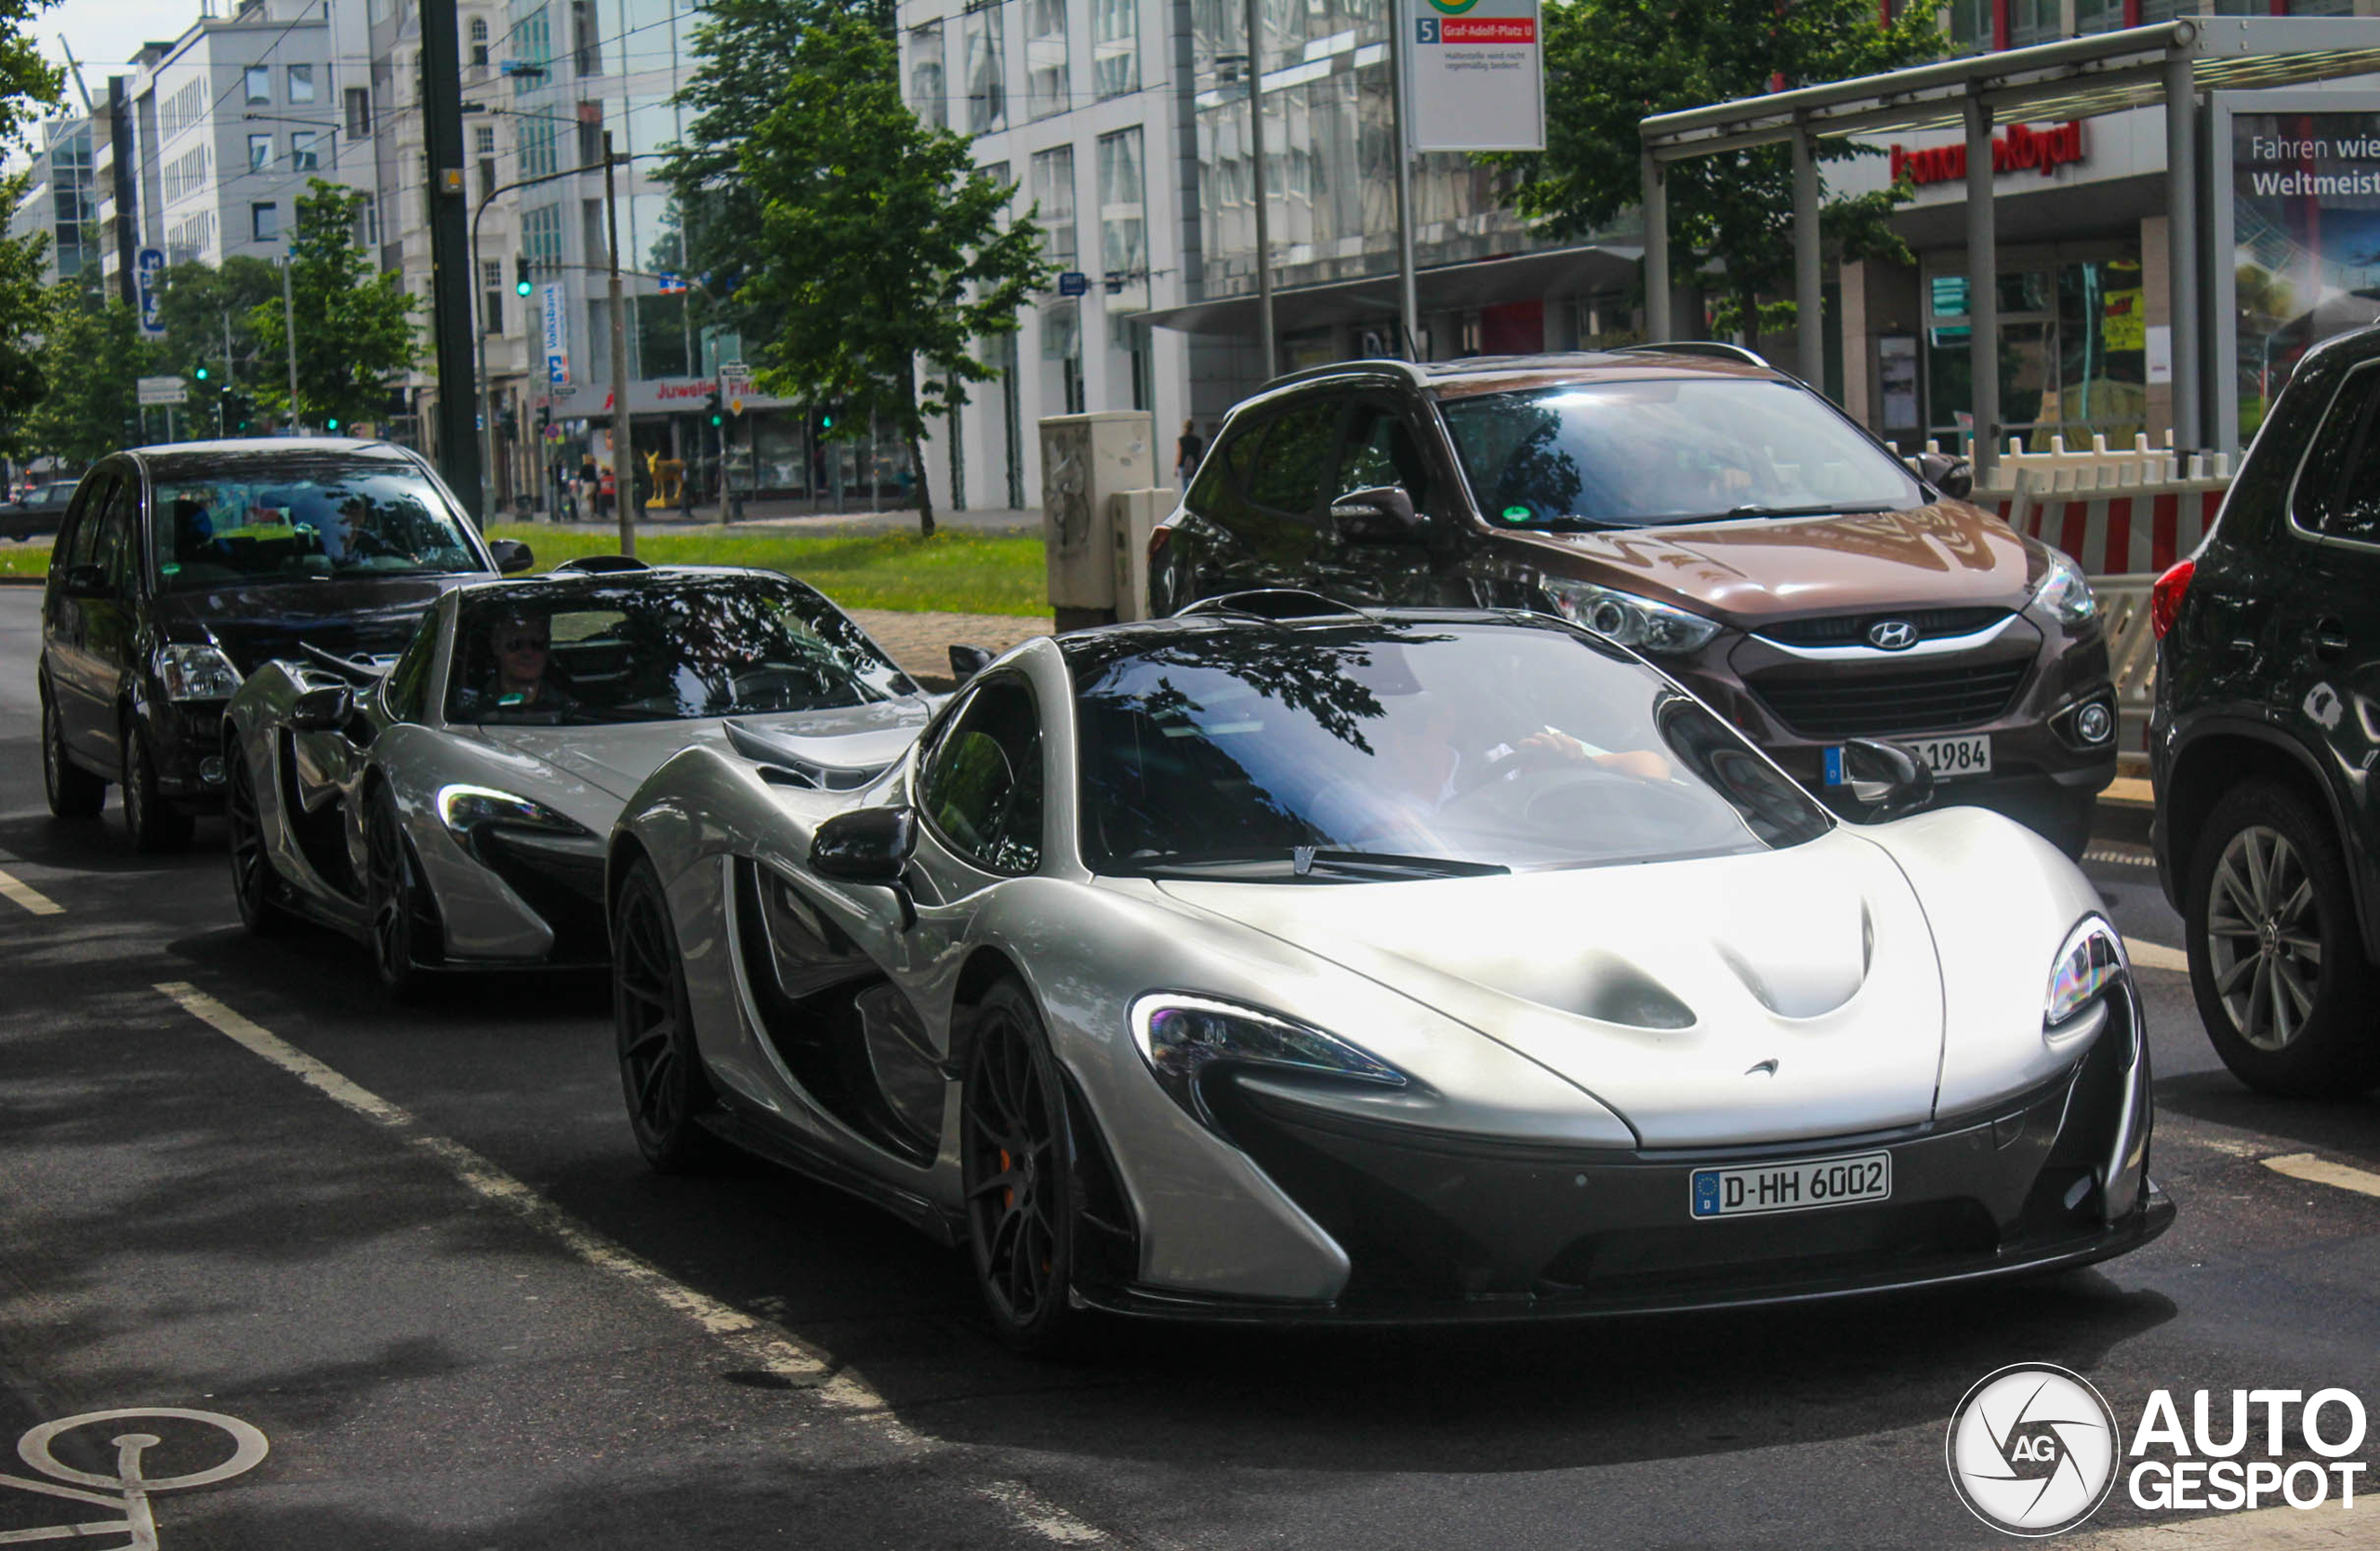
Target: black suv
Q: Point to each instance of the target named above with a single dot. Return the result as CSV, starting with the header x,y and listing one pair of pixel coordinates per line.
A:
x,y
181,569
1695,504
2265,735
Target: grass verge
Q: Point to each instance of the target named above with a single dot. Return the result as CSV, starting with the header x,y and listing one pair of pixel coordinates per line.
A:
x,y
955,570
28,558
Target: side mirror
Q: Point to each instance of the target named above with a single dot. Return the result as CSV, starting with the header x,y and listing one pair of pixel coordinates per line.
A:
x,y
1382,514
511,555
1888,778
84,581
865,845
968,661
1952,476
323,711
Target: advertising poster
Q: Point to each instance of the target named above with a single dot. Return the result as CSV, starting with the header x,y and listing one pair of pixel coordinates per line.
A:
x,y
1475,73
2304,249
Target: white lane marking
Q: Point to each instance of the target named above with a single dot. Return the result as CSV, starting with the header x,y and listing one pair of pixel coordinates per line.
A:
x,y
2156,956
127,1491
30,897
773,1350
2322,1170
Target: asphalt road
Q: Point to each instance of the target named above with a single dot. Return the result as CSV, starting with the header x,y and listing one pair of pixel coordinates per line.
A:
x,y
418,1252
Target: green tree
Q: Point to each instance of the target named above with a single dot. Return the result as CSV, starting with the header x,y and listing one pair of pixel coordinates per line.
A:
x,y
1611,62
91,359
27,85
354,320
199,303
882,256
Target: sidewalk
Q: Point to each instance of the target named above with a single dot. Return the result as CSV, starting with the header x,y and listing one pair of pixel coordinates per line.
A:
x,y
799,516
920,642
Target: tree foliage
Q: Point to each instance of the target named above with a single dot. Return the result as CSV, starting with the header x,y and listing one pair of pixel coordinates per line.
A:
x,y
28,84
882,256
196,303
91,359
1611,62
354,320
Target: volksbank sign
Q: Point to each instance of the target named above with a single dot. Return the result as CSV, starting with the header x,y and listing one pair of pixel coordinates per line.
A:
x,y
1475,74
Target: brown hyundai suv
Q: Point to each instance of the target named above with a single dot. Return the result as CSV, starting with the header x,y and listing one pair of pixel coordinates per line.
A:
x,y
1713,513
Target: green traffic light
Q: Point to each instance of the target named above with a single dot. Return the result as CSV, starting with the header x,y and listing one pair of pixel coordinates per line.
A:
x,y
202,374
825,423
718,421
330,424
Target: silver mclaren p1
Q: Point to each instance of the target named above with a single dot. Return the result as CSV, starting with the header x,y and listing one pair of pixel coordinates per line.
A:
x,y
450,806
1282,962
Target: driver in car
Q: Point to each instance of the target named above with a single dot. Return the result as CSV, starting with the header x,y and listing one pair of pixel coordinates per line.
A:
x,y
520,645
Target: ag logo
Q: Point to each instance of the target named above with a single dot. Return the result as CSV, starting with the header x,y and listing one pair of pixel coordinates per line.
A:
x,y
2032,1450
1452,7
1892,635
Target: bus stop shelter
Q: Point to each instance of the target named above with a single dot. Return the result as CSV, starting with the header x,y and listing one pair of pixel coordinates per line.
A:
x,y
2171,64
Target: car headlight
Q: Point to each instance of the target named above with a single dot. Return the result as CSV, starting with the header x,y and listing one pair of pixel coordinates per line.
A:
x,y
2092,959
196,674
1182,1036
2066,591
1630,620
465,808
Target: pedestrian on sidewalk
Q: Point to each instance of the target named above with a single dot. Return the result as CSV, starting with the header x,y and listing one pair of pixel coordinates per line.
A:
x,y
1188,450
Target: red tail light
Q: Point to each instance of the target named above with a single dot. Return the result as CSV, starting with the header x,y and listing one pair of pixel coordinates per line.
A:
x,y
2166,598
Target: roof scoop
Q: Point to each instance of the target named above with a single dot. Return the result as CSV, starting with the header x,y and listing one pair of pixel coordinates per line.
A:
x,y
1619,992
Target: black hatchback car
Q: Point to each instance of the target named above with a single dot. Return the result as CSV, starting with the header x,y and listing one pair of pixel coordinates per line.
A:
x,y
2263,740
37,512
180,569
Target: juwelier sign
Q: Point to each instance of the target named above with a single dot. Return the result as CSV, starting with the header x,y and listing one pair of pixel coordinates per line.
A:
x,y
1475,74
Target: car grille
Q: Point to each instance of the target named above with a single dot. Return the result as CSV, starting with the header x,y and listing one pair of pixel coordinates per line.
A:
x,y
1848,630
1841,704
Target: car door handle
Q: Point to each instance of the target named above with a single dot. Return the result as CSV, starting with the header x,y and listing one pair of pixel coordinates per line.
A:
x,y
2328,637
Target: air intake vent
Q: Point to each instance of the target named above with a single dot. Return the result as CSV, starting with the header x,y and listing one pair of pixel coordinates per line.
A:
x,y
1928,700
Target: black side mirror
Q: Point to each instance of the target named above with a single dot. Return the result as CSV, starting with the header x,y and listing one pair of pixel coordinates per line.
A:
x,y
1382,514
870,845
323,711
968,661
1888,778
84,581
1952,476
511,555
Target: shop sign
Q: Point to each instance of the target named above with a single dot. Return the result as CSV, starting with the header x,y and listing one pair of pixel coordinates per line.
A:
x,y
2020,150
667,395
1475,74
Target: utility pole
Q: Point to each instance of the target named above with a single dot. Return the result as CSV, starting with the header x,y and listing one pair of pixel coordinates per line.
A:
x,y
1408,309
623,442
1256,165
451,280
230,381
289,326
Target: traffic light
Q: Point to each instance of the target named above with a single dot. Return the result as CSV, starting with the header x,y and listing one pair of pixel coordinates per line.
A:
x,y
521,286
330,423
827,421
202,374
717,407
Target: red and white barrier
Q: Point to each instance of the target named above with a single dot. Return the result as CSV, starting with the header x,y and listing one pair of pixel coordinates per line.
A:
x,y
2120,533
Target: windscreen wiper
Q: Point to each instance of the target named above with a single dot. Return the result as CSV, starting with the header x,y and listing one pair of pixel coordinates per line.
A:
x,y
1303,861
1757,511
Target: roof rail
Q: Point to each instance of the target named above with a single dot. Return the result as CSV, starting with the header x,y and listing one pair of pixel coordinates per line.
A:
x,y
1273,602
601,565
1377,365
1716,348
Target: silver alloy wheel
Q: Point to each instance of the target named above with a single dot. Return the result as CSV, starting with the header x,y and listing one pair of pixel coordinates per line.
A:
x,y
2264,937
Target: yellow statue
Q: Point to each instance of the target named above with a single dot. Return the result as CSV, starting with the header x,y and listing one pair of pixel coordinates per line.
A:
x,y
665,472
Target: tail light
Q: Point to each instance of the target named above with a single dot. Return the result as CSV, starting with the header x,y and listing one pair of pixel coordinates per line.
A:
x,y
1159,536
2166,598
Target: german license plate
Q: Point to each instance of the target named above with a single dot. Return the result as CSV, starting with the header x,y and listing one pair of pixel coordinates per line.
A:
x,y
1801,1186
1947,757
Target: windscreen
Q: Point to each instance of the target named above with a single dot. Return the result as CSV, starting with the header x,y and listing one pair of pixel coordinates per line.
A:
x,y
266,520
1670,450
1375,751
659,648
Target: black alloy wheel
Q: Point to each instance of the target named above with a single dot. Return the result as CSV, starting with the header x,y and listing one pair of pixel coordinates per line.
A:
x,y
1016,1167
255,885
156,824
74,792
405,932
661,1070
2277,959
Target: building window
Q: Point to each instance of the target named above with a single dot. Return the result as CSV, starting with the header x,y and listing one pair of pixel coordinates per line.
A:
x,y
483,138
259,153
532,49
595,233
537,146
301,83
1053,196
590,134
987,71
478,42
259,85
584,39
487,178
492,299
1047,87
1123,211
302,157
264,222
541,238
359,113
928,93
1115,47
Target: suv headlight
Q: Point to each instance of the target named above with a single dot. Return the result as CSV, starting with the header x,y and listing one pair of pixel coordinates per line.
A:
x,y
1182,1036
196,674
2066,591
2092,960
1630,620
465,808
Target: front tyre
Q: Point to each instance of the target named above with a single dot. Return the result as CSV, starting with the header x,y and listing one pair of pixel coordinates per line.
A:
x,y
661,1070
1017,1171
2277,960
255,885
74,792
156,824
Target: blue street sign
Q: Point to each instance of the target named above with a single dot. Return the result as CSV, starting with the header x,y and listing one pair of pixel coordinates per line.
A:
x,y
557,369
1074,283
146,265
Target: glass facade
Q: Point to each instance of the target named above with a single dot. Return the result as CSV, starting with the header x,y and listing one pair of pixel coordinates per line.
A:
x,y
2073,352
1052,193
1123,209
1048,84
1115,47
929,92
987,71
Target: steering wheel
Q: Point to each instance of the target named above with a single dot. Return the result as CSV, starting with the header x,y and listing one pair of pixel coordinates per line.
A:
x,y
775,682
